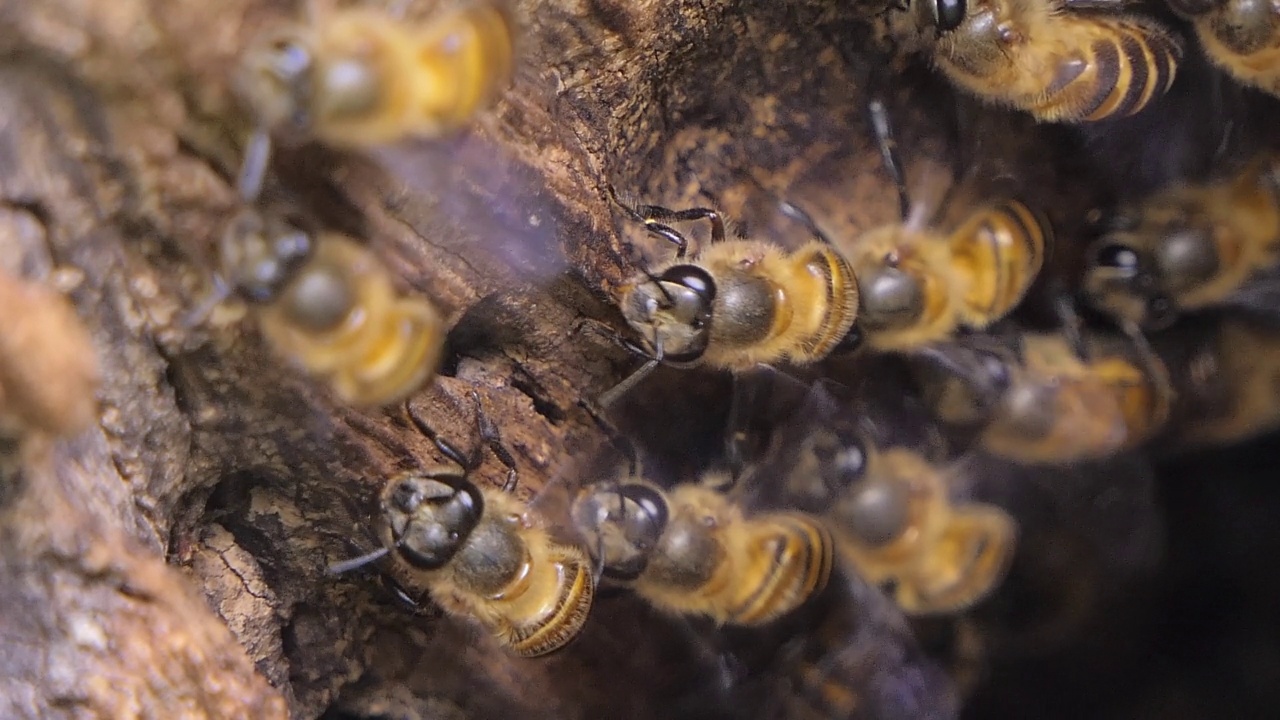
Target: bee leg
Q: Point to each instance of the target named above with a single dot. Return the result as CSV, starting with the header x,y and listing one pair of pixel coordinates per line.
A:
x,y
1151,362
611,395
737,435
795,213
355,563
1072,325
654,217
452,453
619,441
491,437
253,168
198,314
883,128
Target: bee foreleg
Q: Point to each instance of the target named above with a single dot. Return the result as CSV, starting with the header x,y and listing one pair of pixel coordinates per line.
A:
x,y
490,436
619,441
883,127
1072,325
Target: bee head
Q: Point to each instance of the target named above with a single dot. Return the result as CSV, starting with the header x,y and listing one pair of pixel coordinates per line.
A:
x,y
429,518
1249,26
277,79
840,460
260,254
962,385
673,310
1128,284
625,523
941,15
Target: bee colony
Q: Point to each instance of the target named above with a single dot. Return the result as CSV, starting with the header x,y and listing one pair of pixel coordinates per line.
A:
x,y
799,359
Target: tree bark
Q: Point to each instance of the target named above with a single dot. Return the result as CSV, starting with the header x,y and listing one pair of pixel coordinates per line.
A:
x,y
215,469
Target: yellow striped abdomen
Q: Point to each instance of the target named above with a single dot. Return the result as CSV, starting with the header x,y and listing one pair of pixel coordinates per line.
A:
x,y
835,307
1001,250
1120,65
788,560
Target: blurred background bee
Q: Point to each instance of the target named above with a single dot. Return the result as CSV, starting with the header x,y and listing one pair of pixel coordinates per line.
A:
x,y
327,303
1225,370
1191,247
693,550
360,78
1059,60
737,303
920,285
481,555
891,510
1044,398
1240,36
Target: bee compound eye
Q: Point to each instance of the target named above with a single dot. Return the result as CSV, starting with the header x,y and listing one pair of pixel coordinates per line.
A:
x,y
948,14
845,466
1117,256
646,514
697,280
290,57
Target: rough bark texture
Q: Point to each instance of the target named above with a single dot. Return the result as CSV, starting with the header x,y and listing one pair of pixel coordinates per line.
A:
x,y
170,562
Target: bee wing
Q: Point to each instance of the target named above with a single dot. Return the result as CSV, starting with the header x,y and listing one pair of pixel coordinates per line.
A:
x,y
471,198
1109,504
577,472
1259,297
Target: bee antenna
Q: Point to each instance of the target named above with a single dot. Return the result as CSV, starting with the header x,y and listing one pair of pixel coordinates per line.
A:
x,y
355,563
889,151
657,282
617,391
201,312
619,441
253,168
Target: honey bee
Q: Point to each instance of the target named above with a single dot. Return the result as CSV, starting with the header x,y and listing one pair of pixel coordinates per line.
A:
x,y
1039,400
893,519
1191,247
1228,380
358,78
1059,60
920,285
482,554
1240,36
737,303
328,304
692,550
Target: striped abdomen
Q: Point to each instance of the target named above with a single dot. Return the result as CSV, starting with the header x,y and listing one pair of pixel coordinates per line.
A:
x,y
563,618
837,307
1001,250
1121,65
465,61
795,553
